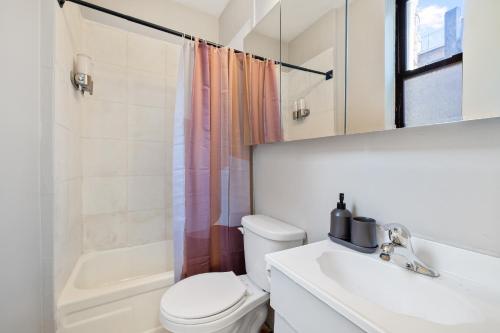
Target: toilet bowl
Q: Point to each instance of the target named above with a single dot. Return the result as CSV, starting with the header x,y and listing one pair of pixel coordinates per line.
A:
x,y
224,302
235,313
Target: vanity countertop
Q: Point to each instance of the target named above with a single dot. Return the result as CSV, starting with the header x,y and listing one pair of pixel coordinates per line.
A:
x,y
379,296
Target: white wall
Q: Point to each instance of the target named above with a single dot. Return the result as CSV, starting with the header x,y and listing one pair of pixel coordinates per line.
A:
x,y
166,13
263,46
261,8
236,14
316,39
20,189
481,70
442,182
370,61
126,138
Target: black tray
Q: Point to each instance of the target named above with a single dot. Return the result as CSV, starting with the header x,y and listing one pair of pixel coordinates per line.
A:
x,y
352,246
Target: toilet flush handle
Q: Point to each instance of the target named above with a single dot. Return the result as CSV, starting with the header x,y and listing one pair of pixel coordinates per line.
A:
x,y
242,230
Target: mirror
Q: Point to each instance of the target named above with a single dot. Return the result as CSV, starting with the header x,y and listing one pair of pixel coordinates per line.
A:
x,y
409,62
263,38
312,48
421,62
309,42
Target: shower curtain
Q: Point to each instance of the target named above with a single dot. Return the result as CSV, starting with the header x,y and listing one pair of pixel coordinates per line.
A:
x,y
225,102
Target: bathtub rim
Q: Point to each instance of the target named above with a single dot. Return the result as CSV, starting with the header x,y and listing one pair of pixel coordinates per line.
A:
x,y
76,299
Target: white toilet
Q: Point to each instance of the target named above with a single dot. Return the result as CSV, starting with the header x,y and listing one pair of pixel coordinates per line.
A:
x,y
224,302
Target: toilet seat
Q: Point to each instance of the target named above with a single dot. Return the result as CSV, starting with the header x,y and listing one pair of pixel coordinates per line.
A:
x,y
254,300
203,298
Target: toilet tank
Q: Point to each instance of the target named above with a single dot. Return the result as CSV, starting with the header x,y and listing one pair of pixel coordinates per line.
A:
x,y
263,235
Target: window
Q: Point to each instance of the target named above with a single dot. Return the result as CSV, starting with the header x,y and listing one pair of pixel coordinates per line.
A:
x,y
428,61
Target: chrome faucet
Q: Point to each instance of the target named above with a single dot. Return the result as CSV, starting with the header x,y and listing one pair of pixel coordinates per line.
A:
x,y
400,251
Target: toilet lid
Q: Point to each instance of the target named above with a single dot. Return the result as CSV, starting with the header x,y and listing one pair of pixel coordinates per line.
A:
x,y
203,295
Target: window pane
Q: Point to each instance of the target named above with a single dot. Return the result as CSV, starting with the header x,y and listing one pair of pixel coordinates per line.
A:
x,y
434,97
434,31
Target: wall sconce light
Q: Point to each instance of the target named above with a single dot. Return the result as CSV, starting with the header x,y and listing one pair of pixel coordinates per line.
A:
x,y
81,76
300,111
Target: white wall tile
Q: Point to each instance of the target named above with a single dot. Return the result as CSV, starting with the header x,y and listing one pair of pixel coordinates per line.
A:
x,y
61,212
75,202
104,120
146,123
105,231
101,195
171,91
127,129
146,89
66,129
62,139
106,44
110,83
74,25
47,131
75,156
146,226
173,54
74,244
64,48
146,158
146,192
169,227
146,54
104,157
169,127
61,97
75,101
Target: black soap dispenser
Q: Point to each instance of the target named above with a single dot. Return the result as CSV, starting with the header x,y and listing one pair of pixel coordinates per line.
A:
x,y
340,221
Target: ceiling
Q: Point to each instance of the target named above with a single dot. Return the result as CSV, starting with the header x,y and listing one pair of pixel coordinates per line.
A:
x,y
212,7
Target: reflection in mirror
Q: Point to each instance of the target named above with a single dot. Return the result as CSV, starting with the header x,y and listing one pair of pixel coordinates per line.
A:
x,y
421,62
263,39
312,36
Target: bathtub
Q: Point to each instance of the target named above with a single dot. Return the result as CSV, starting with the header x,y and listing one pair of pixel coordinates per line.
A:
x,y
117,290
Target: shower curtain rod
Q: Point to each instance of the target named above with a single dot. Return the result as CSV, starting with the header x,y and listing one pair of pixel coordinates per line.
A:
x,y
328,75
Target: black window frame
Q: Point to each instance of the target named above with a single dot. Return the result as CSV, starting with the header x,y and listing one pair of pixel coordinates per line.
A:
x,y
402,74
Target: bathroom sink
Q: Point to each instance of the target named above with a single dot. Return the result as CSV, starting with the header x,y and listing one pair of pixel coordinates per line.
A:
x,y
378,296
396,289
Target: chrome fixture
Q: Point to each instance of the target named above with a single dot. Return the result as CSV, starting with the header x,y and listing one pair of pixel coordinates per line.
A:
x,y
300,111
81,76
400,251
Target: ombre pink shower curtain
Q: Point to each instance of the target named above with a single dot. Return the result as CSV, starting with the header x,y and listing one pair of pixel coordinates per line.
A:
x,y
233,103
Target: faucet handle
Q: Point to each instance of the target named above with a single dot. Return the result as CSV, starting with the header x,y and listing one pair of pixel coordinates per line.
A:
x,y
398,234
386,250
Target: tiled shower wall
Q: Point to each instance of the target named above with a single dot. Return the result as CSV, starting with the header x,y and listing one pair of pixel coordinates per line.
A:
x,y
66,131
126,138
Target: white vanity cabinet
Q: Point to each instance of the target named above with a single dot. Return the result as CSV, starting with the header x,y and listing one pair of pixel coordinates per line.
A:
x,y
324,287
299,311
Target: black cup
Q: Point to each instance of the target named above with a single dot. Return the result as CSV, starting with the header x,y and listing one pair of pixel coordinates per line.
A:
x,y
364,232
